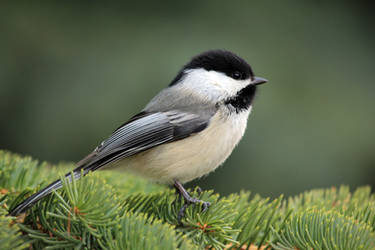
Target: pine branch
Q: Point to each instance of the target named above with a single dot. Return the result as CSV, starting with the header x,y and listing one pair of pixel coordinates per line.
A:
x,y
319,229
112,210
10,235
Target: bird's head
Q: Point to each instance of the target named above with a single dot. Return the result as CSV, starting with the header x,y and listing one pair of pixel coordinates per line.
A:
x,y
219,76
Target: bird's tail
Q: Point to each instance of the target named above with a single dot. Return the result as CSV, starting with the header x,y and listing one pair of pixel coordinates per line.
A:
x,y
30,201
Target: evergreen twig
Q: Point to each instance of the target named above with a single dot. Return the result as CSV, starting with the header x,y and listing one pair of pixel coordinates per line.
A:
x,y
112,210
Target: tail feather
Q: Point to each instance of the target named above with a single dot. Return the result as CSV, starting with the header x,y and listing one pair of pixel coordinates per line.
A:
x,y
81,170
30,201
26,204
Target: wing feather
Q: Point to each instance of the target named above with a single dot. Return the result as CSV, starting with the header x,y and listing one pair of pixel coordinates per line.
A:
x,y
143,132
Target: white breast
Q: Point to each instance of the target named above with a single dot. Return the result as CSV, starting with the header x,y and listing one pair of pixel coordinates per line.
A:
x,y
193,157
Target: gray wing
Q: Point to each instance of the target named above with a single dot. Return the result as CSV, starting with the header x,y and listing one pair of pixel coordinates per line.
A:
x,y
144,131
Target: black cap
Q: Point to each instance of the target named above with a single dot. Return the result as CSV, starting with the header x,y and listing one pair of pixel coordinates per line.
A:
x,y
219,60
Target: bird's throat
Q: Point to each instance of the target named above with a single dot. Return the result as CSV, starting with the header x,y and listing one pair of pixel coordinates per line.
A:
x,y
243,99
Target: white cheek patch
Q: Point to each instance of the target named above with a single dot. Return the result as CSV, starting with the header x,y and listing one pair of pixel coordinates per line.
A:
x,y
227,84
211,84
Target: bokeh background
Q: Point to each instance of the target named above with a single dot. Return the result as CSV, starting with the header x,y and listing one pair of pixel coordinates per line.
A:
x,y
71,72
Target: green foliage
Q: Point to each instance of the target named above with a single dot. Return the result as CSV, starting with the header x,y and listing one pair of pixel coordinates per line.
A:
x,y
19,173
10,235
359,205
137,231
255,220
112,210
214,228
319,229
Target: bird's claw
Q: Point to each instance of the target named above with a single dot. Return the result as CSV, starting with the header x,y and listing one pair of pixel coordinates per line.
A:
x,y
199,190
205,206
188,200
192,201
181,213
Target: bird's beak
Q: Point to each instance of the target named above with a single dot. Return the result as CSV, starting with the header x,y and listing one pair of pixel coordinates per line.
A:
x,y
258,80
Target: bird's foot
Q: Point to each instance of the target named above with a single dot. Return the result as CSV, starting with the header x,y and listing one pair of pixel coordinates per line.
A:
x,y
188,201
199,190
181,213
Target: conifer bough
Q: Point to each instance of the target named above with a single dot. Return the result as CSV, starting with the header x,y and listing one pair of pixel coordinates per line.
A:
x,y
114,210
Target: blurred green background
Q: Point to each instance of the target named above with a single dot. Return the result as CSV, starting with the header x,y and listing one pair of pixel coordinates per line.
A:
x,y
70,73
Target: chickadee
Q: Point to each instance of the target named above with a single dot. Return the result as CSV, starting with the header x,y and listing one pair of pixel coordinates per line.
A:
x,y
185,132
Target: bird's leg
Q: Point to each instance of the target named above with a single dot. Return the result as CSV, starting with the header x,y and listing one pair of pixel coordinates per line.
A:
x,y
188,200
199,190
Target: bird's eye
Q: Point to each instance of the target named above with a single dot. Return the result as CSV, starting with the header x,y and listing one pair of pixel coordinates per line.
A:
x,y
236,75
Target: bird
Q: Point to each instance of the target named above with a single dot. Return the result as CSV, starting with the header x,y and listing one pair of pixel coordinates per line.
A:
x,y
185,132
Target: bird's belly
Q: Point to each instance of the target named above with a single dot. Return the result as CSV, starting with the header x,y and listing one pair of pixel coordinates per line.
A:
x,y
192,157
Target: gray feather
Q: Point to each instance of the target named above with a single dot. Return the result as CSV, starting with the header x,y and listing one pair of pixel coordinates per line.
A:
x,y
143,133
